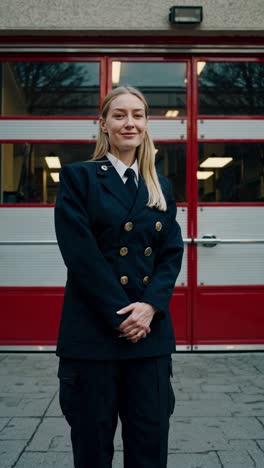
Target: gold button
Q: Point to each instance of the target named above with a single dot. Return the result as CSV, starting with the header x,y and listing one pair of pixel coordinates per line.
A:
x,y
148,251
158,226
104,167
124,280
123,251
128,226
146,279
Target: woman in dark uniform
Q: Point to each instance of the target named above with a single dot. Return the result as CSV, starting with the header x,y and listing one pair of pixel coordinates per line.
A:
x,y
117,232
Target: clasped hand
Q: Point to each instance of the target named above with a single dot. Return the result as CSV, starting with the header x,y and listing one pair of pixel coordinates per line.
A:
x,y
137,325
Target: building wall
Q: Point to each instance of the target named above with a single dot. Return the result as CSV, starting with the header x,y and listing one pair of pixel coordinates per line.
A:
x,y
124,16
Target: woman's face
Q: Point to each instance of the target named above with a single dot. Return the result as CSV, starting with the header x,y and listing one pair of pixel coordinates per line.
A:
x,y
125,123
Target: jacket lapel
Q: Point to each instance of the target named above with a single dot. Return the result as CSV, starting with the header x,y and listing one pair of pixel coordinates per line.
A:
x,y
111,180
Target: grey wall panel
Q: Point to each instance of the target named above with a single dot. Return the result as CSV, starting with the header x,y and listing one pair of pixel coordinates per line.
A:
x,y
182,215
168,129
44,130
48,130
231,264
232,222
29,265
32,265
42,265
231,129
38,223
182,278
36,265
27,224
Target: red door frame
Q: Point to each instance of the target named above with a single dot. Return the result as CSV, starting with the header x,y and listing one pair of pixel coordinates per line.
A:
x,y
199,341
9,295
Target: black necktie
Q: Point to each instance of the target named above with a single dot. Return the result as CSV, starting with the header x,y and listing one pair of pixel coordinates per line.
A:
x,y
130,183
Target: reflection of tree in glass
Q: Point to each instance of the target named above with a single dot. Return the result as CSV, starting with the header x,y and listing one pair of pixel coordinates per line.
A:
x,y
241,180
232,88
51,88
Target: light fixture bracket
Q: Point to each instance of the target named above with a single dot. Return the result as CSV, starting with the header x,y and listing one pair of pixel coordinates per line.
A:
x,y
186,14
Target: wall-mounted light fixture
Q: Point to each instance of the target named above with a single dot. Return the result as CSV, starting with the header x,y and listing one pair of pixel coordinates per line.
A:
x,y
186,15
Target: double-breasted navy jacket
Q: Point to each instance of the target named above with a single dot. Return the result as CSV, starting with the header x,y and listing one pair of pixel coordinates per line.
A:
x,y
115,254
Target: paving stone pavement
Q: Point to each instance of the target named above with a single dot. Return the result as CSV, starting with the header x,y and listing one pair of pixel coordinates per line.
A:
x,y
218,420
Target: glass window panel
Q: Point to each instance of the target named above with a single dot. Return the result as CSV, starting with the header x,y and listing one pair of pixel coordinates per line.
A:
x,y
50,88
231,88
171,162
26,175
241,177
163,84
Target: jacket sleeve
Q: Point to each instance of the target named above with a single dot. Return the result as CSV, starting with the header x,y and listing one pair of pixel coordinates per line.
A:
x,y
167,263
86,264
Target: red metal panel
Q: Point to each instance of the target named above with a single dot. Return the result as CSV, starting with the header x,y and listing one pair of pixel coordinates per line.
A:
x,y
30,315
229,315
179,307
153,39
192,265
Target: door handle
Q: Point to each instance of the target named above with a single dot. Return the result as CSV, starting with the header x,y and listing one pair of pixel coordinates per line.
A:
x,y
211,238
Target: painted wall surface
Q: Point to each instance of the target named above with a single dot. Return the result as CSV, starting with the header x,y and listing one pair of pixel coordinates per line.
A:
x,y
126,16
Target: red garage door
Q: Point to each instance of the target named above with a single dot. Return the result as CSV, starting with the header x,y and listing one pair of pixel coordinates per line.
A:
x,y
207,124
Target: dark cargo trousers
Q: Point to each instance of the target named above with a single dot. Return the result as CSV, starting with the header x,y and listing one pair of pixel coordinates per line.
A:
x,y
94,393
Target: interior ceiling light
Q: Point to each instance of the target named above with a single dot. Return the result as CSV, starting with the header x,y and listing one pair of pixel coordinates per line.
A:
x,y
216,162
203,175
53,162
172,113
55,176
200,67
116,68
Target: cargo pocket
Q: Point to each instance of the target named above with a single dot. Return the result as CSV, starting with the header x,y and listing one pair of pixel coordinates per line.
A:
x,y
171,396
69,391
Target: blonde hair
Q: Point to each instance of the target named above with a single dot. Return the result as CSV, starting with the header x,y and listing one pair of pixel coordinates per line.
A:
x,y
145,152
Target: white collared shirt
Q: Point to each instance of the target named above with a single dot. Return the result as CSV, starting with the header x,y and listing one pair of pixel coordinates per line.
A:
x,y
121,167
